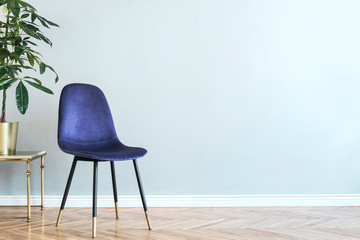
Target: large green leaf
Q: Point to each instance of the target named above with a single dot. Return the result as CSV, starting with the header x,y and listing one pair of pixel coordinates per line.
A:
x,y
11,4
44,39
31,26
14,7
25,15
35,79
7,84
42,67
43,23
30,58
25,4
3,71
4,79
31,33
18,51
47,21
40,87
11,71
4,53
33,16
22,98
32,43
57,76
18,40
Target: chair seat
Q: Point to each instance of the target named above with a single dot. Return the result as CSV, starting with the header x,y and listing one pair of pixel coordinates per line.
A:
x,y
110,151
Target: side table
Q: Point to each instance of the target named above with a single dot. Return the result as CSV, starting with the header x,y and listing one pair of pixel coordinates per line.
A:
x,y
28,157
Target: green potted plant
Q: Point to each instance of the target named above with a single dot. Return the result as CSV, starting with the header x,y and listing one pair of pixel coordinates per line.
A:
x,y
19,35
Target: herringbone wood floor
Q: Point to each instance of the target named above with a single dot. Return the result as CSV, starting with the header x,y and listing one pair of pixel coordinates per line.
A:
x,y
187,223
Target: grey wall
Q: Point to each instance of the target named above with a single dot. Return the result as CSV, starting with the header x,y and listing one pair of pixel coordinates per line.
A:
x,y
229,97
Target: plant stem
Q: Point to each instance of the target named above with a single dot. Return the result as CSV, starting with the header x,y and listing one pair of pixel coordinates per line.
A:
x,y
3,110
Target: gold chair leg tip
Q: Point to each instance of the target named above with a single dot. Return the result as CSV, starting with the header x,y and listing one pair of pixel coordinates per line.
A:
x,y
148,220
59,218
94,227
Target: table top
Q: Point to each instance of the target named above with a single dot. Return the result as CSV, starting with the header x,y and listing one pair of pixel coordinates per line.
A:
x,y
23,155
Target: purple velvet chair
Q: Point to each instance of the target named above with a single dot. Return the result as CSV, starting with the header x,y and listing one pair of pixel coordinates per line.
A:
x,y
86,130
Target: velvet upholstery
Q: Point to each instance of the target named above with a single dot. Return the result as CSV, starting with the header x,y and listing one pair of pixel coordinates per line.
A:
x,y
86,128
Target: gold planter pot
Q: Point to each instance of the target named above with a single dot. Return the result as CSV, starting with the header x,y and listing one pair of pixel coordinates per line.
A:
x,y
8,137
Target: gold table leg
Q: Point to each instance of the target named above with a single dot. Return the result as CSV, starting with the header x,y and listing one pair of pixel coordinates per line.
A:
x,y
28,173
42,182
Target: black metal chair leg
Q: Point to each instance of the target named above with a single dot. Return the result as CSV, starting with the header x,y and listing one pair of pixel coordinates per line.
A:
x,y
94,198
142,193
112,165
71,174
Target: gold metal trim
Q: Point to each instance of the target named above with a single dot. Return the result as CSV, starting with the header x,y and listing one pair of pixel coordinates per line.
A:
x,y
116,210
12,217
94,227
59,218
4,206
23,156
148,220
14,160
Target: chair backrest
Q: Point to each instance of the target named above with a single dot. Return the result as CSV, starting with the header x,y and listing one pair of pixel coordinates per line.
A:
x,y
84,116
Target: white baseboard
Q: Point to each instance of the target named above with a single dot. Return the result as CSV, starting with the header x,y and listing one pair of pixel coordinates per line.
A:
x,y
196,200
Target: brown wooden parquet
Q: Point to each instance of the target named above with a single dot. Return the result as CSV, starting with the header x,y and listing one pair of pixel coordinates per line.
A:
x,y
187,223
